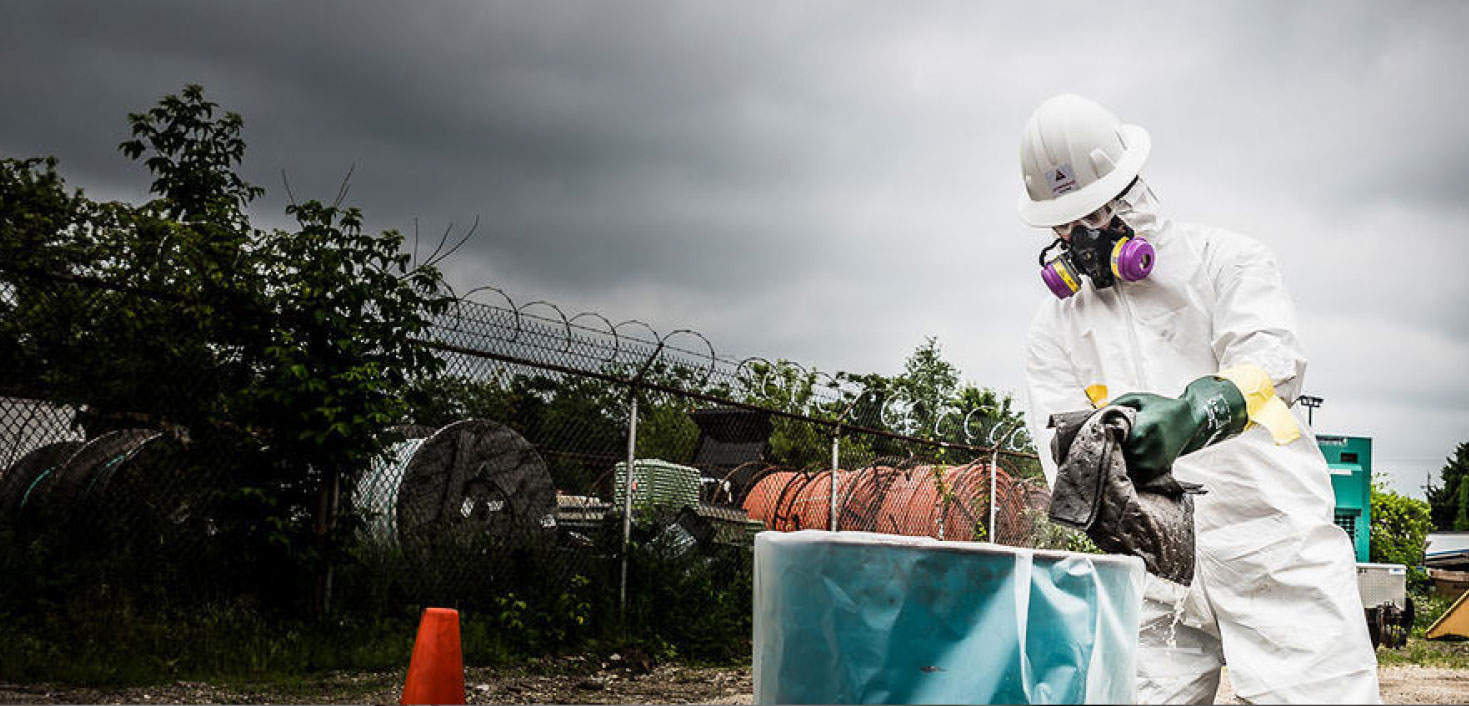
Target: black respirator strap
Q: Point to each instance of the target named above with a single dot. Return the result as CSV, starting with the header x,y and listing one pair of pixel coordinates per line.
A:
x,y
1041,259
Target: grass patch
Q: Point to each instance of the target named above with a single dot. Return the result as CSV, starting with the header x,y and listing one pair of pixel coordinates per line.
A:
x,y
227,645
1420,651
69,625
1427,653
1426,610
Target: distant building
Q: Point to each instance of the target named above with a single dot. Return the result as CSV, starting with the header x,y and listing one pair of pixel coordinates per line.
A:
x,y
1447,550
1446,554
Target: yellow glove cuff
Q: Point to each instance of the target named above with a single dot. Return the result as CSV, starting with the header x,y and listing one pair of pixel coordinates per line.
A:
x,y
1262,406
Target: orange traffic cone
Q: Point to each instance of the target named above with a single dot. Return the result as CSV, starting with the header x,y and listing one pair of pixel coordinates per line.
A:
x,y
436,671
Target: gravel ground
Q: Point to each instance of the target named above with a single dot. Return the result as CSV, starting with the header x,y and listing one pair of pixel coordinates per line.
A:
x,y
576,680
583,682
1401,684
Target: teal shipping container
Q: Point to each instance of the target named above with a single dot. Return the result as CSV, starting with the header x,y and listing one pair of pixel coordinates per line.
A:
x,y
859,618
1350,461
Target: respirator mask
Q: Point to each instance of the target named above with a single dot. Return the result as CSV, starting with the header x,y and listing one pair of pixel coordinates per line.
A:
x,y
1103,248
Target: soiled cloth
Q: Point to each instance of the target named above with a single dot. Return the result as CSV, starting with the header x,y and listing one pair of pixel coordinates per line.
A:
x,y
1094,493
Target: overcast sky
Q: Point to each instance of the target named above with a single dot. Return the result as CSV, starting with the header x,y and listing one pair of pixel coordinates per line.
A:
x,y
828,182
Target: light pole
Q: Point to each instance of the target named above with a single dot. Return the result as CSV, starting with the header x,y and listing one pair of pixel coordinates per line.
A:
x,y
1311,403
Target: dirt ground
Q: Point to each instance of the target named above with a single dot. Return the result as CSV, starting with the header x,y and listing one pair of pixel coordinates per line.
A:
x,y
588,683
1401,684
573,680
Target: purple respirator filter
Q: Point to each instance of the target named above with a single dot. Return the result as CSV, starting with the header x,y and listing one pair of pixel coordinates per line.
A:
x,y
1132,259
1059,278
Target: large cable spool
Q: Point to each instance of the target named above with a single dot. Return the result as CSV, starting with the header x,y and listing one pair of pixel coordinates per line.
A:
x,y
763,499
27,424
812,505
1011,504
893,515
915,503
969,507
738,483
949,509
948,502
22,476
471,482
160,500
55,497
787,510
376,494
859,509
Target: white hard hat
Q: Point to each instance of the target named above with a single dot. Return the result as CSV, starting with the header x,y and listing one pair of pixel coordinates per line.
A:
x,y
1076,156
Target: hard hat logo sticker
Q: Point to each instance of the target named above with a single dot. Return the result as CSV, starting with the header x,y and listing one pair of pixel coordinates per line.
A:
x,y
1061,179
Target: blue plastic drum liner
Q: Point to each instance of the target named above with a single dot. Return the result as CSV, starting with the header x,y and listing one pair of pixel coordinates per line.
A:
x,y
855,617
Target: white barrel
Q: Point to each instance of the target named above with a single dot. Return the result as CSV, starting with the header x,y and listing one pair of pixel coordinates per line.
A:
x,y
855,617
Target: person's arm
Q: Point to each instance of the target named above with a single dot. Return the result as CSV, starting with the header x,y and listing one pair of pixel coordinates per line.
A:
x,y
1254,334
1261,366
1051,386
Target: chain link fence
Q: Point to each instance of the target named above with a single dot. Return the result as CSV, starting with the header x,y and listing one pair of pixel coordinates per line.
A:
x,y
558,463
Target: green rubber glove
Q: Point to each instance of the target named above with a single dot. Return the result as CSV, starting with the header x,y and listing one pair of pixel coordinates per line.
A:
x,y
1210,410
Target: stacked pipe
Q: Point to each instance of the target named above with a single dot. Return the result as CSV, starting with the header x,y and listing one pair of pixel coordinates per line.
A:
x,y
945,502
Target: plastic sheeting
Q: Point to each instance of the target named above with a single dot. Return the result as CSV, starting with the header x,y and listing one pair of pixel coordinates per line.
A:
x,y
854,617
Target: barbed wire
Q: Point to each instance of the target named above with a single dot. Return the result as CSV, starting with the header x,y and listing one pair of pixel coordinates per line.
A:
x,y
540,333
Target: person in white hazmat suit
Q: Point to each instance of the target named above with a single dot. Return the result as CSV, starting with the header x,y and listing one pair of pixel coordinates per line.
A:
x,y
1192,327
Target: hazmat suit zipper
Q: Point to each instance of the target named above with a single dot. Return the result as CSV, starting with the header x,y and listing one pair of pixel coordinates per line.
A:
x,y
1131,324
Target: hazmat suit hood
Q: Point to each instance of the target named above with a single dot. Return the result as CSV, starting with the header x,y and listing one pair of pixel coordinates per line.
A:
x,y
1138,208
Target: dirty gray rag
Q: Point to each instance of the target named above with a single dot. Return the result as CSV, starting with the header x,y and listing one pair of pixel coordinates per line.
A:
x,y
1094,493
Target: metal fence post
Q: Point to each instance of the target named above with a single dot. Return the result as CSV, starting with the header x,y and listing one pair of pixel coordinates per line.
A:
x,y
326,520
627,489
994,472
994,461
836,435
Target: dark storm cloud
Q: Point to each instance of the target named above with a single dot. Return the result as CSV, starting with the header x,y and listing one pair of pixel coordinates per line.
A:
x,y
828,182
448,110
583,136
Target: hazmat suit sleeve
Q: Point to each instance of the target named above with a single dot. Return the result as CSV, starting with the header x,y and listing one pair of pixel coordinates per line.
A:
x,y
1254,318
1052,387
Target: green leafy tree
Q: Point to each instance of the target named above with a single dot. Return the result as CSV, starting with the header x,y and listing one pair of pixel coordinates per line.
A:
x,y
940,406
787,387
1399,526
171,298
944,408
42,240
929,383
866,405
193,156
178,314
1449,502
